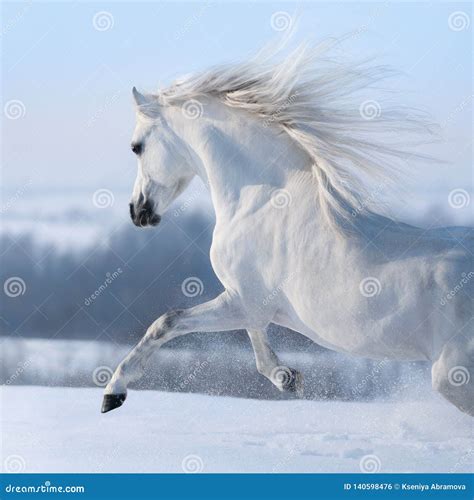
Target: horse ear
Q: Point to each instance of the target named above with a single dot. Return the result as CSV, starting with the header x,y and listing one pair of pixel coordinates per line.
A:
x,y
139,98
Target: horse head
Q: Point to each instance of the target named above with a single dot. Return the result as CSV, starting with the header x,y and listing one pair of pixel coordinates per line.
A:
x,y
163,163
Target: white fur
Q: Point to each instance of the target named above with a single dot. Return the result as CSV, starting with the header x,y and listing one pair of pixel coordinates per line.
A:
x,y
296,242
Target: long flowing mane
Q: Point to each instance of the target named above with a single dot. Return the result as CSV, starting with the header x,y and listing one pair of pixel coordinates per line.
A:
x,y
335,111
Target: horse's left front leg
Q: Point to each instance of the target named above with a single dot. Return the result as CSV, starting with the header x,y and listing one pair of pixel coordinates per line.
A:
x,y
221,314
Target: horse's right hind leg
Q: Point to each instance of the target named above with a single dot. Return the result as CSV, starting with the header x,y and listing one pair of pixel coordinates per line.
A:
x,y
268,364
453,373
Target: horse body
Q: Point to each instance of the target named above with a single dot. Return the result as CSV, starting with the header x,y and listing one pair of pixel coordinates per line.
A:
x,y
290,268
373,288
396,318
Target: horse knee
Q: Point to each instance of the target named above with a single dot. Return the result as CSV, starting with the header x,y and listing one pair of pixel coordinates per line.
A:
x,y
170,319
166,323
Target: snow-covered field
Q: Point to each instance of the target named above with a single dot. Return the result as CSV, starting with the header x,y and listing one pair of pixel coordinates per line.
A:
x,y
61,430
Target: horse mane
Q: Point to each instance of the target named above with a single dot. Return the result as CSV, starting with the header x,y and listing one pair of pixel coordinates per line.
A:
x,y
351,129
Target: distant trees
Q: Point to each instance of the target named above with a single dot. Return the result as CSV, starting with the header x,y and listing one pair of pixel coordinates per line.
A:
x,y
112,290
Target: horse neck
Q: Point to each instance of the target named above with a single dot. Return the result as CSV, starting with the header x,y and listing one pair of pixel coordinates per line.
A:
x,y
238,153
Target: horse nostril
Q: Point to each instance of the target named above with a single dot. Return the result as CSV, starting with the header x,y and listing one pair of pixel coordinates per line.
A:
x,y
142,214
142,219
147,207
155,219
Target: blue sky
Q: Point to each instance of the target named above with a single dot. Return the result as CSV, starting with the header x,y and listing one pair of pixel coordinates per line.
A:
x,y
75,81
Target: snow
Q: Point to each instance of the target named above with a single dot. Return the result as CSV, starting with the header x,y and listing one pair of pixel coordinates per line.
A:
x,y
61,430
219,366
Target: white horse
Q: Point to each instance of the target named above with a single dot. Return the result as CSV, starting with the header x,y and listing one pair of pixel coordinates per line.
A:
x,y
285,150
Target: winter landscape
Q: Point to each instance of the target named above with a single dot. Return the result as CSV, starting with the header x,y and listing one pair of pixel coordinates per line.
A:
x,y
61,430
80,284
209,409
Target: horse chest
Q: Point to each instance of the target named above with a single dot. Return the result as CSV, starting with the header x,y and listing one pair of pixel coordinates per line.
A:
x,y
244,258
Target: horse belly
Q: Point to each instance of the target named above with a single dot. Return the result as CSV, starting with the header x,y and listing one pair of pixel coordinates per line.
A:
x,y
378,321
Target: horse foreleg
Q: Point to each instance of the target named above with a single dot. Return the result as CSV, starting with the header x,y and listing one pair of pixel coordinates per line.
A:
x,y
268,364
220,314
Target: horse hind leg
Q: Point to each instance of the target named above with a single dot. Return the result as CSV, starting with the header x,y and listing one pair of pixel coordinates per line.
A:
x,y
453,373
286,379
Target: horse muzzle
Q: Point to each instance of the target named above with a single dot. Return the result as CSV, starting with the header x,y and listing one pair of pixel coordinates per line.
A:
x,y
144,215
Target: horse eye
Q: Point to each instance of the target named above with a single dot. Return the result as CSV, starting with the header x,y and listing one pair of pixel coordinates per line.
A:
x,y
137,148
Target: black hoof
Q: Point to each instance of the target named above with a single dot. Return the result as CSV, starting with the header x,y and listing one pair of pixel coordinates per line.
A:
x,y
112,401
294,382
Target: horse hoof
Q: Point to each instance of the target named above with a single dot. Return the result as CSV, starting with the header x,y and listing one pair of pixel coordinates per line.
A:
x,y
294,383
112,401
